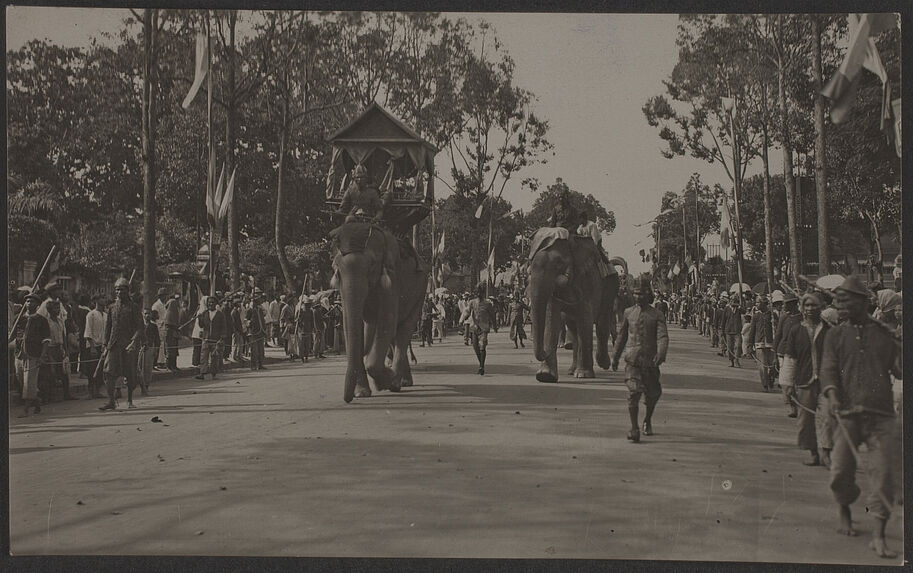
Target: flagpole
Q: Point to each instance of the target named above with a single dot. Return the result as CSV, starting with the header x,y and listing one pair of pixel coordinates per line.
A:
x,y
211,170
434,251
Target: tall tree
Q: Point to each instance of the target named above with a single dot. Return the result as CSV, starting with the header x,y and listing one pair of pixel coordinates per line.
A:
x,y
500,136
824,256
152,24
302,84
709,87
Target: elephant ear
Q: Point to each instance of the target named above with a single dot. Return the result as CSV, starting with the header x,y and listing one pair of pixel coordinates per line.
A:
x,y
586,258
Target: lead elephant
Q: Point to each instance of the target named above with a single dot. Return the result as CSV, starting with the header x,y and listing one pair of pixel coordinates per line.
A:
x,y
381,283
569,284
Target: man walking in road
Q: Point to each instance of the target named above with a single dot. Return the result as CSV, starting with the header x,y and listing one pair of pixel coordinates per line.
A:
x,y
644,333
732,328
789,316
802,355
481,317
172,332
213,328
123,336
95,338
760,341
860,355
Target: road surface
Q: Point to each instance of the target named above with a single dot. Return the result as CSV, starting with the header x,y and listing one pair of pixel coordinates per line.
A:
x,y
460,465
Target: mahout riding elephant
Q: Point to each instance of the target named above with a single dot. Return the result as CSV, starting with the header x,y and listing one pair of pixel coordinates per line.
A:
x,y
382,283
570,284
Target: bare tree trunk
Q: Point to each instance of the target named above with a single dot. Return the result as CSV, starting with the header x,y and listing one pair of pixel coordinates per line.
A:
x,y
824,256
768,230
876,238
150,18
280,204
788,179
234,227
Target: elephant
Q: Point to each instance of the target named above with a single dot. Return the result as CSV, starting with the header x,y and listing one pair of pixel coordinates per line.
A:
x,y
382,282
568,285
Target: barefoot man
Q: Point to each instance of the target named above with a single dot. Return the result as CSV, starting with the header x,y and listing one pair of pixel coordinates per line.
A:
x,y
645,328
859,357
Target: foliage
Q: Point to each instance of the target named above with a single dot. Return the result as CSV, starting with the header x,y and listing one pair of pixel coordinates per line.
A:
x,y
545,204
673,238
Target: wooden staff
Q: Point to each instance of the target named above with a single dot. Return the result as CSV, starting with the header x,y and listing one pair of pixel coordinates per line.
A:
x,y
47,260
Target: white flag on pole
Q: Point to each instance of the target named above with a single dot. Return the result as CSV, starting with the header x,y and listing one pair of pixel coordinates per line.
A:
x,y
199,71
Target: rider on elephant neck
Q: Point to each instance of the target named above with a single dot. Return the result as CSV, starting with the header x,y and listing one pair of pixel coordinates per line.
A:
x,y
362,200
565,214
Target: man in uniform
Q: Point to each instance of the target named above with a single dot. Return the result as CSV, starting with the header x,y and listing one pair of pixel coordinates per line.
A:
x,y
481,317
860,355
645,328
214,328
123,337
565,214
760,341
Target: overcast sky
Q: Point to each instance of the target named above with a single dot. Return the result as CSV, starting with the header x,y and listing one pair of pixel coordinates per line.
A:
x,y
591,74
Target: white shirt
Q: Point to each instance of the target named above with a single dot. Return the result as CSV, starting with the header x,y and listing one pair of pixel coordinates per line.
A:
x,y
95,327
159,307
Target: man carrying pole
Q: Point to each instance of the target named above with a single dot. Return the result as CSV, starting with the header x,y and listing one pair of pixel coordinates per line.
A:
x,y
860,355
124,333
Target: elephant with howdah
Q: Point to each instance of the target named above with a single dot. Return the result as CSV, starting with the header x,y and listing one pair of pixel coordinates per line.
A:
x,y
569,284
382,283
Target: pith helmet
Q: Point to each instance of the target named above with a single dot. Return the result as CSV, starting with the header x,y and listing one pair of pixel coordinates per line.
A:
x,y
121,283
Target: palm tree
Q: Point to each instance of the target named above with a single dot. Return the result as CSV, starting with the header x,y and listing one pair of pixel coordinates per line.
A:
x,y
35,199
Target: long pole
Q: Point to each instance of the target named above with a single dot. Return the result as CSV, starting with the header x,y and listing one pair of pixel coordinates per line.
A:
x,y
697,241
684,242
491,226
44,267
434,254
736,192
212,159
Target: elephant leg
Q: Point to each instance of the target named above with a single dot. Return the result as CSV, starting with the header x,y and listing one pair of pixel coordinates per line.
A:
x,y
548,369
575,344
583,351
354,294
384,331
603,358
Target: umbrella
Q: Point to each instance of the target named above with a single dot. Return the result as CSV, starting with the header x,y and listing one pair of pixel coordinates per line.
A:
x,y
830,282
735,287
760,288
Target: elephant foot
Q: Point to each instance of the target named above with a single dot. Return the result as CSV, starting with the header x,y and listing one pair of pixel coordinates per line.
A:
x,y
407,380
572,370
603,360
362,391
584,373
545,375
383,377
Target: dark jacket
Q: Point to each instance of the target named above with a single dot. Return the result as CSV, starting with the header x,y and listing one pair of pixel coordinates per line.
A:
x,y
858,361
36,330
798,347
124,325
215,328
783,326
732,320
762,328
153,339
